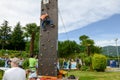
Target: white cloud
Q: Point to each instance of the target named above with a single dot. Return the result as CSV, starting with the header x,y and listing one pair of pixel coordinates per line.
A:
x,y
25,11
107,39
107,42
75,13
79,13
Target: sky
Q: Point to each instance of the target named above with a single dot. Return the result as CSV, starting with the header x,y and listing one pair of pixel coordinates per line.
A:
x,y
99,19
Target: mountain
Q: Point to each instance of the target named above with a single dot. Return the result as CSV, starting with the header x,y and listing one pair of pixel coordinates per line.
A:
x,y
111,50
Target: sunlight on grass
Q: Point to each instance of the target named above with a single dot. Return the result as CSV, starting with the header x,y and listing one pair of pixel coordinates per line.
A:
x,y
1,73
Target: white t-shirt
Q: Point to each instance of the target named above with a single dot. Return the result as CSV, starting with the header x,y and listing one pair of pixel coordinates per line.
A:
x,y
15,73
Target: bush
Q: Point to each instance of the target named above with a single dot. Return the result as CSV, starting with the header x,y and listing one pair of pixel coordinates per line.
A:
x,y
25,64
79,66
85,68
2,63
87,61
61,63
99,62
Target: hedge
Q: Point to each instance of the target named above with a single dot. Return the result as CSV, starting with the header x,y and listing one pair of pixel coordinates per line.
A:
x,y
99,62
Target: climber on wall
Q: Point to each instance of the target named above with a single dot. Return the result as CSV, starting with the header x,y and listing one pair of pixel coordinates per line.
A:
x,y
45,20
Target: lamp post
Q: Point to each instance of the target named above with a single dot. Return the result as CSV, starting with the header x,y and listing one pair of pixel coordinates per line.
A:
x,y
117,51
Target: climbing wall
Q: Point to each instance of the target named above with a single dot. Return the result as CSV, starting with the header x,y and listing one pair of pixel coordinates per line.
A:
x,y
48,41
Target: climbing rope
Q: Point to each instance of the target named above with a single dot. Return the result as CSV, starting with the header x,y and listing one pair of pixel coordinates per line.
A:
x,y
63,23
64,27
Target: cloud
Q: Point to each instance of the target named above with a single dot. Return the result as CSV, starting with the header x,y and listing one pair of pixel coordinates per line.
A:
x,y
25,11
107,42
75,13
106,39
79,13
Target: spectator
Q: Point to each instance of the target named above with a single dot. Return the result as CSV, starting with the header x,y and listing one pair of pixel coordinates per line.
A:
x,y
7,63
64,64
58,64
20,63
32,63
15,72
32,76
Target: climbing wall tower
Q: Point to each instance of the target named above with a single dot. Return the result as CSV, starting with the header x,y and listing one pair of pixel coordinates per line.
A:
x,y
48,40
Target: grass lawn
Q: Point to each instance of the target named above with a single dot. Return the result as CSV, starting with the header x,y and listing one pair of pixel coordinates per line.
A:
x,y
95,75
1,73
91,75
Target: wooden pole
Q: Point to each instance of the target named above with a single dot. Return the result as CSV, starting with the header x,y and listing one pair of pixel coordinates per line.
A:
x,y
48,40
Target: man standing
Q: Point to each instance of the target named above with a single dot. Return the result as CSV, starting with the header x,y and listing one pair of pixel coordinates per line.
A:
x,y
15,72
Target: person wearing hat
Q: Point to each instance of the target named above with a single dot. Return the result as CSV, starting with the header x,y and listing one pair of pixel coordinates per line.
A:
x,y
15,72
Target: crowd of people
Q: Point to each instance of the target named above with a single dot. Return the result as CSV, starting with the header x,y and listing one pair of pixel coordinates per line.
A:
x,y
71,63
16,71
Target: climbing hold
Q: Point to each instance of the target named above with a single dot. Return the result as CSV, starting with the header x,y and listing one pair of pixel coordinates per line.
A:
x,y
47,31
45,1
52,25
48,8
44,48
48,40
40,54
42,44
42,9
41,35
44,29
51,46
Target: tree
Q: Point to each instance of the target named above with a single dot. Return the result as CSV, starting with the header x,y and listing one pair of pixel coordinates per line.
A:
x,y
89,48
17,38
67,48
31,30
87,43
36,48
5,32
83,37
96,49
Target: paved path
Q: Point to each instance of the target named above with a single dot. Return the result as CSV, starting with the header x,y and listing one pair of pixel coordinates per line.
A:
x,y
109,69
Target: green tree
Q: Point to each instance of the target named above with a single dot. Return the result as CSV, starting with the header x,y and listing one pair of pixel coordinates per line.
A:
x,y
87,43
36,48
5,32
67,48
31,30
89,48
83,37
96,49
17,38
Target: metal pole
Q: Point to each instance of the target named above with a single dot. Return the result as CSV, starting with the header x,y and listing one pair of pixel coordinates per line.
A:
x,y
108,52
117,51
